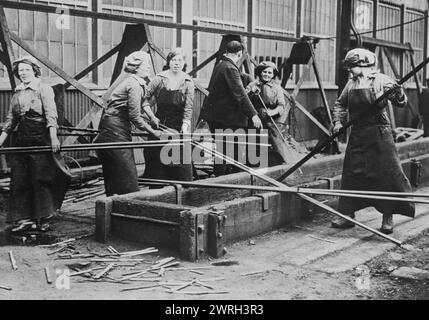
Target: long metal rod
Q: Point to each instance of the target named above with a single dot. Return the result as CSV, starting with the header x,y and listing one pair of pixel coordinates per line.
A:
x,y
282,186
331,138
293,190
95,146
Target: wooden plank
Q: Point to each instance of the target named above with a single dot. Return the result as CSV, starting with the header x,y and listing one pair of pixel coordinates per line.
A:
x,y
103,210
149,209
6,42
146,232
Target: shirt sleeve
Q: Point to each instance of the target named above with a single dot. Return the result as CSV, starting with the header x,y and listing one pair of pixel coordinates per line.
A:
x,y
135,94
11,122
189,101
152,90
340,107
281,102
49,107
233,79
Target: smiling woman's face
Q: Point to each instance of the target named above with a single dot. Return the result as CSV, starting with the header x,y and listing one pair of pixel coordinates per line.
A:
x,y
267,74
26,73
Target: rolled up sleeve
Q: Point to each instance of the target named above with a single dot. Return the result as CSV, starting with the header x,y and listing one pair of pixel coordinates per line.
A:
x,y
135,94
48,100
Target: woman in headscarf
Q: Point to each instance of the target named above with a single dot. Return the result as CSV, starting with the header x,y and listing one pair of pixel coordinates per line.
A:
x,y
38,185
172,92
266,88
371,161
123,110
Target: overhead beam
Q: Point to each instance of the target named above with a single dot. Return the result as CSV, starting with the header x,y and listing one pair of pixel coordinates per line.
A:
x,y
128,19
8,55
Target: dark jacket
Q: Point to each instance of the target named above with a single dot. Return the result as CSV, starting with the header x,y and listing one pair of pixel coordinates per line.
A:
x,y
227,103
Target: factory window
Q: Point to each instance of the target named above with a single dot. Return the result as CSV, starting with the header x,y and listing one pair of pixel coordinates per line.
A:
x,y
224,14
66,45
274,17
363,16
319,20
111,31
415,35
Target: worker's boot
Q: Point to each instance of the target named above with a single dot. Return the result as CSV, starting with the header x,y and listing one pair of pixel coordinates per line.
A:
x,y
387,224
341,223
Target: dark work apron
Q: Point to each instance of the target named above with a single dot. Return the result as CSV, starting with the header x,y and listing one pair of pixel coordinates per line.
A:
x,y
276,153
119,167
170,109
38,186
371,161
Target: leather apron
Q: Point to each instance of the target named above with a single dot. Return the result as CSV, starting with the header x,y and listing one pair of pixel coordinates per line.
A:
x,y
37,186
170,109
371,161
119,167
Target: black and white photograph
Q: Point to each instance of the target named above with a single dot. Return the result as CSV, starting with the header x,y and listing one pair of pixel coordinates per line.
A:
x,y
214,156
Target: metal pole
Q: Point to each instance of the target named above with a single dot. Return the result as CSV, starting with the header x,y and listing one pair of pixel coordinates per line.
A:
x,y
332,138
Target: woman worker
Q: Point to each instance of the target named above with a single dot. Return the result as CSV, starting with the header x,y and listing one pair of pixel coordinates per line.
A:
x,y
173,93
371,161
272,95
123,110
37,186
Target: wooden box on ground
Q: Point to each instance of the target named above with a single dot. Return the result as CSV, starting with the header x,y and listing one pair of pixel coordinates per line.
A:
x,y
200,222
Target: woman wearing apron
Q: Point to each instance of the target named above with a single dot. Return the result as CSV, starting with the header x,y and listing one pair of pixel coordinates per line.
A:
x,y
371,161
272,96
123,110
38,185
172,91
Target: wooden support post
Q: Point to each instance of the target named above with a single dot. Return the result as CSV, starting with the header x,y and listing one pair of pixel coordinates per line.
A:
x,y
216,235
103,210
188,232
319,82
8,55
344,16
201,235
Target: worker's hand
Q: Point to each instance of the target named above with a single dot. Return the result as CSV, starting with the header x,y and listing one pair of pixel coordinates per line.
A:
x,y
155,122
186,128
257,123
397,92
156,133
272,112
337,127
55,144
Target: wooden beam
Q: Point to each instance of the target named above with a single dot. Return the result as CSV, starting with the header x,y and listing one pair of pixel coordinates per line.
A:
x,y
6,43
95,64
134,20
383,43
344,15
203,64
319,82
